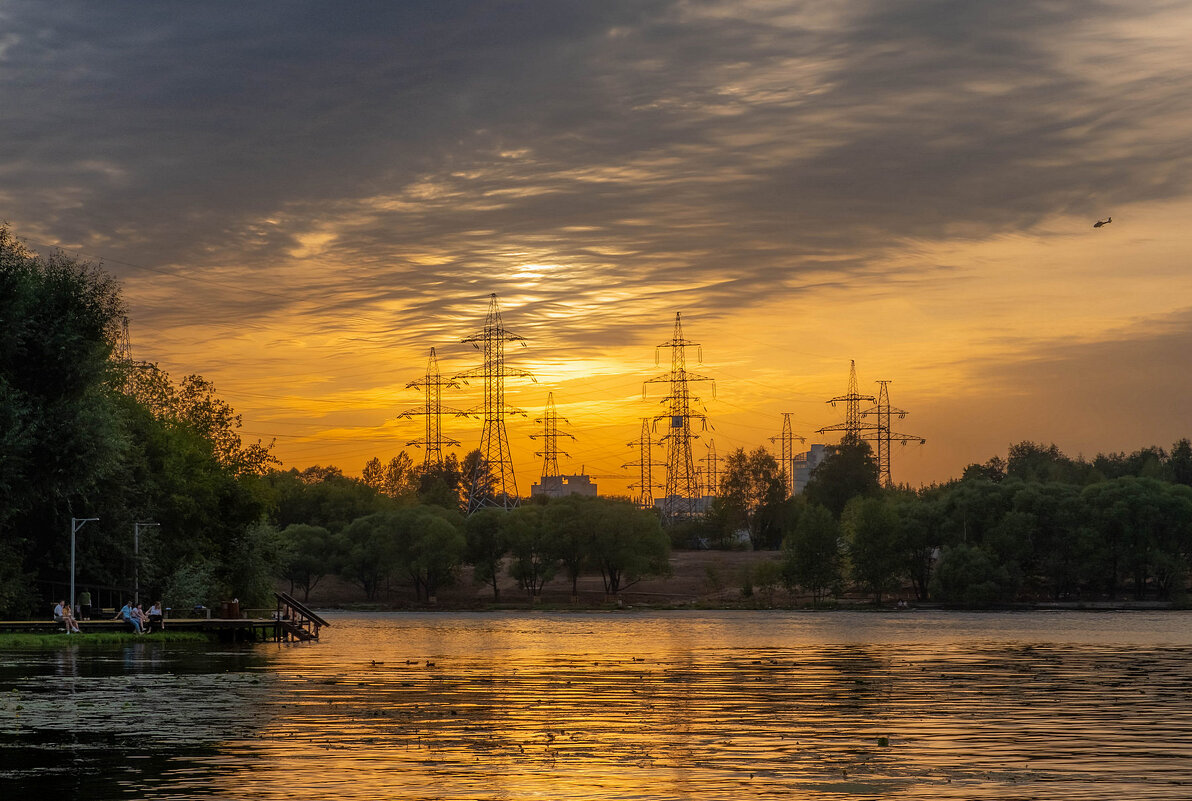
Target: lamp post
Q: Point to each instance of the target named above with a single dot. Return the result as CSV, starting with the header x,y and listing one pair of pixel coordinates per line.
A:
x,y
136,559
76,523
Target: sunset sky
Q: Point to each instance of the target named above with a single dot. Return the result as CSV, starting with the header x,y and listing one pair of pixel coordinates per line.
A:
x,y
300,200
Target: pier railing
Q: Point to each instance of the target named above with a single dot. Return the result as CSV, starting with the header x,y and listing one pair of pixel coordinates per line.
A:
x,y
295,620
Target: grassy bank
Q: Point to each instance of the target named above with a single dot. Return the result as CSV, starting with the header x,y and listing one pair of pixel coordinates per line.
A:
x,y
61,638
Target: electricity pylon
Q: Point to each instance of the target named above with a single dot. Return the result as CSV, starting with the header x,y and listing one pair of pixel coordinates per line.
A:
x,y
883,435
788,438
122,356
852,426
432,385
645,485
682,486
550,436
496,463
712,468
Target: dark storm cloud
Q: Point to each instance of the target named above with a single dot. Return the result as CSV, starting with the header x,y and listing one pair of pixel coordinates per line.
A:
x,y
688,154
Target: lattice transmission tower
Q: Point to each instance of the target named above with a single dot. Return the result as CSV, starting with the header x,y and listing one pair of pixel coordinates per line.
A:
x,y
494,482
432,385
682,486
787,438
853,429
122,356
550,438
712,468
884,436
644,485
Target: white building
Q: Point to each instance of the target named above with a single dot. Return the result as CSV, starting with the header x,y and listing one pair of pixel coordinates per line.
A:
x,y
804,463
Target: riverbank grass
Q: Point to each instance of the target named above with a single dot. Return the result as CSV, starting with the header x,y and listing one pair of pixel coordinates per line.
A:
x,y
61,638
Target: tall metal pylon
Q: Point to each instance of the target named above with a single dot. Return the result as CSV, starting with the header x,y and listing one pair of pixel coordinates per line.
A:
x,y
712,468
681,498
883,435
852,426
550,436
432,386
495,458
645,485
122,356
788,437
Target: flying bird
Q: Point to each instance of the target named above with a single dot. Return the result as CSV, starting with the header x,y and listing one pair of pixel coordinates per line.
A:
x,y
1106,221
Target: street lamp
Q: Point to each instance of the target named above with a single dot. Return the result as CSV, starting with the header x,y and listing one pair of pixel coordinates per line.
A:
x,y
76,523
136,559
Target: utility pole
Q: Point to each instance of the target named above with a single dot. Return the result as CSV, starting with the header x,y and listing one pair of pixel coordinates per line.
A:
x,y
852,426
883,435
136,558
550,436
76,523
682,487
645,485
495,458
788,438
432,385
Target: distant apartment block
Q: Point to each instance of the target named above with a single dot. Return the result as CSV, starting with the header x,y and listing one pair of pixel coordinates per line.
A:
x,y
804,463
562,486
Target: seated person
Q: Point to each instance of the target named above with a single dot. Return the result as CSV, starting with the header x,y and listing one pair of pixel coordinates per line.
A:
x,y
156,618
128,616
63,615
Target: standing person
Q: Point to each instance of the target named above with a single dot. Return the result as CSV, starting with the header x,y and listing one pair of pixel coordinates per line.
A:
x,y
157,621
85,605
128,616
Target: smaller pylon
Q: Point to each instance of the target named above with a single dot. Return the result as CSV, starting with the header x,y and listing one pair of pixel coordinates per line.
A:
x,y
852,426
788,438
550,436
122,356
884,435
712,469
645,485
432,386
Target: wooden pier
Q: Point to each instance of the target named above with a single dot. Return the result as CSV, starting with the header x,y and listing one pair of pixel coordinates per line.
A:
x,y
292,621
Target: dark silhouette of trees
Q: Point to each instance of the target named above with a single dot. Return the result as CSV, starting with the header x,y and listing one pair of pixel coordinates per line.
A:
x,y
847,471
752,490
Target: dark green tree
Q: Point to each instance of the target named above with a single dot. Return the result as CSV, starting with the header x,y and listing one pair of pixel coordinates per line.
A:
x,y
628,544
431,545
968,575
847,471
307,555
532,557
369,552
752,491
811,553
876,551
487,544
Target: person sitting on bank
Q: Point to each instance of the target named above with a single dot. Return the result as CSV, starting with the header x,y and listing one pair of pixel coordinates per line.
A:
x,y
128,616
85,605
141,616
157,620
63,615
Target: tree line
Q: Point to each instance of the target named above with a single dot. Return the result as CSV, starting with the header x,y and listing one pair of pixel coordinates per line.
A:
x,y
1036,525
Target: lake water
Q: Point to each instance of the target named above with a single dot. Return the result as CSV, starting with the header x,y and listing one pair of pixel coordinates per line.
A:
x,y
626,705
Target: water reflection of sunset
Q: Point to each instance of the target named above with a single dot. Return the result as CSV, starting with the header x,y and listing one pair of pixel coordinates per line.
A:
x,y
707,706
